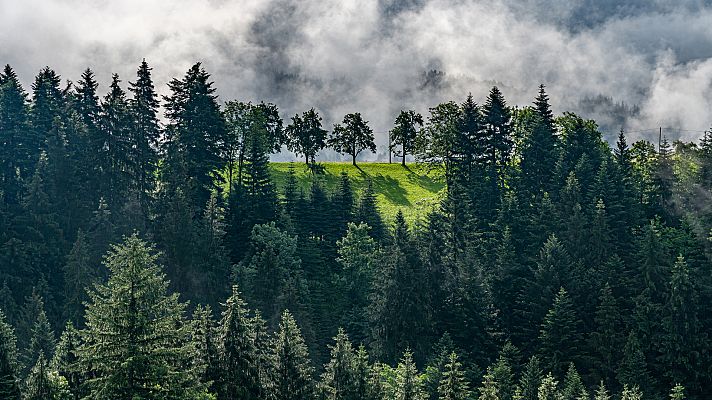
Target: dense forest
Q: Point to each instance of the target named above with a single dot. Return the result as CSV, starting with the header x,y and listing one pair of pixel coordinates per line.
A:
x,y
146,253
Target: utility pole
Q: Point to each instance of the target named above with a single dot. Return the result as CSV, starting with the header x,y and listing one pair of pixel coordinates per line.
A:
x,y
660,139
389,147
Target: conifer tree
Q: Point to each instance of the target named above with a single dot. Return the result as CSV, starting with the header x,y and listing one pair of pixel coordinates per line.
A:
x,y
368,213
43,384
204,336
560,337
677,392
453,384
291,375
79,276
531,379
633,369
340,379
237,352
503,374
144,136
404,133
407,385
66,362
573,388
42,340
606,340
601,393
631,393
497,142
136,343
16,152
353,137
548,390
194,133
489,390
9,387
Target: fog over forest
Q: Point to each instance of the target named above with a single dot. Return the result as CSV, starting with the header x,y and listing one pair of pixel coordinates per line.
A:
x,y
635,65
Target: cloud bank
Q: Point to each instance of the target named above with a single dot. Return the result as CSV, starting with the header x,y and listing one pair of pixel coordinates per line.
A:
x,y
378,57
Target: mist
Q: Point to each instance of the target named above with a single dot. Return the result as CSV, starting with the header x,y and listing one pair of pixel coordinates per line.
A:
x,y
637,66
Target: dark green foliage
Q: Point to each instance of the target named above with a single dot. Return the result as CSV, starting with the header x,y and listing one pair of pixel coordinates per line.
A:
x,y
43,384
353,137
407,384
560,341
305,135
531,379
9,385
453,384
136,341
368,213
66,360
291,376
404,133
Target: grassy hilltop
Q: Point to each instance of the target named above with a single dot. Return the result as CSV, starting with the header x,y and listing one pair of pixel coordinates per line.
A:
x,y
411,189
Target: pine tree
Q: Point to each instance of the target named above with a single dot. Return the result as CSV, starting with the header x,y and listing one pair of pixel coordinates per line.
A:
x,y
560,337
453,384
204,336
503,374
239,373
353,137
404,133
291,376
407,385
497,142
136,343
489,390
357,256
9,388
305,135
606,340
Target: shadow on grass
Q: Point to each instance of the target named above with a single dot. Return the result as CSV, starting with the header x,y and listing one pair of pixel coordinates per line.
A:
x,y
389,187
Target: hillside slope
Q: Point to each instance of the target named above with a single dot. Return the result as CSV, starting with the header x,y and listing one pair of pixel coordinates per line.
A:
x,y
411,189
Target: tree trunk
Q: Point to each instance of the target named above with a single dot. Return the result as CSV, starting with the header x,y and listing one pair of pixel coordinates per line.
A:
x,y
353,159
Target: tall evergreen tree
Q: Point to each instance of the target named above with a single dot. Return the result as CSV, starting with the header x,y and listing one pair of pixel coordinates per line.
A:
x,y
560,335
531,379
9,387
66,362
16,145
239,377
291,376
79,276
368,212
136,343
453,384
340,377
497,140
407,384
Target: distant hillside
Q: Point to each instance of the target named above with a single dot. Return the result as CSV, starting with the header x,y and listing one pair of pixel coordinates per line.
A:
x,y
411,189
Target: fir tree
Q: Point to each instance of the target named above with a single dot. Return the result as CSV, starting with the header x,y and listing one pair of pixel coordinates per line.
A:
x,y
136,341
601,393
79,276
340,379
633,369
204,336
407,385
548,390
16,140
66,362
631,393
368,213
573,388
606,340
291,377
43,384
531,379
677,392
42,340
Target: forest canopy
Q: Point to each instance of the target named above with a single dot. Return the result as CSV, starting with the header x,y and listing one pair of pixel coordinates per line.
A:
x,y
146,252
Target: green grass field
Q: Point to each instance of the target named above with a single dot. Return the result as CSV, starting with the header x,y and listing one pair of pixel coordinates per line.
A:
x,y
411,188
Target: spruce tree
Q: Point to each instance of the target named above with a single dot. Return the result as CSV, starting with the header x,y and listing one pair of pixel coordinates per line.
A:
x,y
16,151
631,393
204,336
42,340
43,384
677,392
79,276
573,388
144,136
633,369
407,384
606,341
453,385
66,362
368,213
560,337
340,380
601,393
9,387
497,142
489,390
136,343
291,375
531,379
548,390
239,372
352,137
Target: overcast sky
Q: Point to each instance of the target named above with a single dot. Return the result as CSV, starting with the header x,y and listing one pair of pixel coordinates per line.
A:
x,y
343,56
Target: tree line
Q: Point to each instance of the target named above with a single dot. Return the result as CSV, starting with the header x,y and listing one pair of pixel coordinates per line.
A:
x,y
554,267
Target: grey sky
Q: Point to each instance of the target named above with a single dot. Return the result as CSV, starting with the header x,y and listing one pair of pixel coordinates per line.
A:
x,y
373,56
